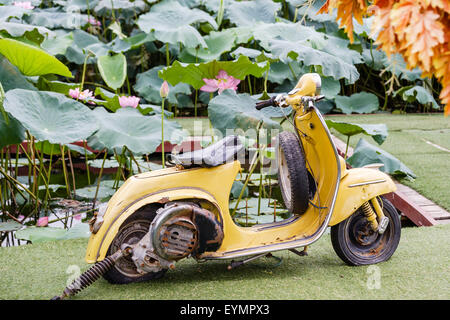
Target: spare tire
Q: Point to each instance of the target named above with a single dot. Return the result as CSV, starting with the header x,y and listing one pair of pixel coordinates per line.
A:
x,y
292,173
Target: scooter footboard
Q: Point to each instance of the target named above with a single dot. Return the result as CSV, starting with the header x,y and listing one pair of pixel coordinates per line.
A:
x,y
358,186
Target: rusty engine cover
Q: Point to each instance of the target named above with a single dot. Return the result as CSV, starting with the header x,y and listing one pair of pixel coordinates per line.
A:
x,y
178,237
183,229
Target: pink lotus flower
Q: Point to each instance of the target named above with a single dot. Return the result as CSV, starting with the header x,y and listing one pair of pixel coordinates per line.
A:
x,y
85,95
24,5
42,222
131,101
223,81
164,91
77,217
94,22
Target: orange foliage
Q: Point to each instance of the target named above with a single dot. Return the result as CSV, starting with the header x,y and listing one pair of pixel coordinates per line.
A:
x,y
417,29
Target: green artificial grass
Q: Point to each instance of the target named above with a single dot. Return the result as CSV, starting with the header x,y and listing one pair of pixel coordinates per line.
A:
x,y
418,270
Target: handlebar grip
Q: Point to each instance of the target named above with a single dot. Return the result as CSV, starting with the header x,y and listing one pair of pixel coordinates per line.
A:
x,y
265,103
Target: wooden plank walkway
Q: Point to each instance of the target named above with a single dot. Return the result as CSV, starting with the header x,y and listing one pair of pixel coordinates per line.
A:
x,y
420,210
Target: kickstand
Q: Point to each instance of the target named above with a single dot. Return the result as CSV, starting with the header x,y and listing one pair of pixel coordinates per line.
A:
x,y
235,264
300,253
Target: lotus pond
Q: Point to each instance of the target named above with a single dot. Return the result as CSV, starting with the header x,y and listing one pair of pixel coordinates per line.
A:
x,y
92,92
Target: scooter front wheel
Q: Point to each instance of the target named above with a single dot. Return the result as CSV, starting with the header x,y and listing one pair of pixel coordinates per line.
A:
x,y
357,244
292,173
132,230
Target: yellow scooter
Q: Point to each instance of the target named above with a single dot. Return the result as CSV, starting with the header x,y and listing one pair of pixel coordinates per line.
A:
x,y
159,217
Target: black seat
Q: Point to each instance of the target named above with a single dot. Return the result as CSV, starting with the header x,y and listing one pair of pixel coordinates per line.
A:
x,y
215,155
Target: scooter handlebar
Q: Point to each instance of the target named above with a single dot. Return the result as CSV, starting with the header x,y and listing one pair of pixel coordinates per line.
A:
x,y
265,103
306,100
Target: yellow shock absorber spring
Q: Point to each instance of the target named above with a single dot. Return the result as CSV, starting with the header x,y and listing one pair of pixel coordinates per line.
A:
x,y
370,215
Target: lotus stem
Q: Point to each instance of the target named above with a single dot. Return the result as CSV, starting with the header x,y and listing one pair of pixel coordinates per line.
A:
x,y
99,178
260,158
112,11
167,54
220,13
7,176
292,71
86,162
252,168
16,168
39,170
346,147
41,175
195,103
33,158
2,110
134,159
65,171
2,203
128,85
47,194
72,172
295,15
163,159
119,170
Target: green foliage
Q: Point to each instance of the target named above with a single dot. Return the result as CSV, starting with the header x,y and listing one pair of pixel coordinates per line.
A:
x,y
194,73
50,116
417,93
172,24
366,153
113,69
378,132
230,110
128,127
30,60
149,83
362,102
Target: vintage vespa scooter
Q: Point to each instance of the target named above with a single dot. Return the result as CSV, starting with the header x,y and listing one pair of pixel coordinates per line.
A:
x,y
159,217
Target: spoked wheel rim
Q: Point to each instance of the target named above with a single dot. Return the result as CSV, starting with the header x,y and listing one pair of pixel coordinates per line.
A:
x,y
364,243
131,233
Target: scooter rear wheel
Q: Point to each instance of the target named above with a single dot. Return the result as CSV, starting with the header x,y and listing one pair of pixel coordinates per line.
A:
x,y
356,244
131,231
292,174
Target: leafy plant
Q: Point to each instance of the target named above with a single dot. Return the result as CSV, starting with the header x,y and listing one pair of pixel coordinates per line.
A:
x,y
30,60
366,153
113,69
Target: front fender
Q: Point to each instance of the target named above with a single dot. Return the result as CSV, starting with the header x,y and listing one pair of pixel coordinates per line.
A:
x,y
210,184
358,186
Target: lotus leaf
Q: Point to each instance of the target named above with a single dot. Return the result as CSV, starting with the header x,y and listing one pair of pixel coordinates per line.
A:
x,y
113,69
50,116
194,73
362,102
173,24
30,60
366,153
237,111
128,127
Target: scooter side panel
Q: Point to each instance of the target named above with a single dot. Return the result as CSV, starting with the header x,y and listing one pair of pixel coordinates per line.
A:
x,y
211,184
358,186
303,229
